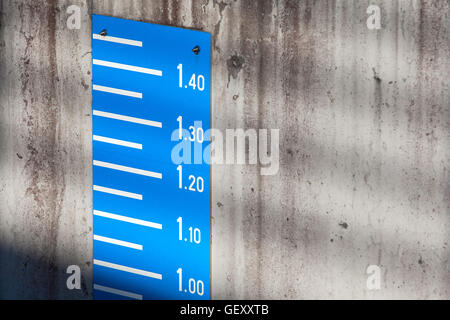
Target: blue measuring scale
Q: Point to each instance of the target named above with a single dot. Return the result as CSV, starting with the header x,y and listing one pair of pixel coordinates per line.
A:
x,y
151,171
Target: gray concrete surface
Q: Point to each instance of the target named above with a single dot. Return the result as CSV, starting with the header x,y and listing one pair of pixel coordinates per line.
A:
x,y
364,119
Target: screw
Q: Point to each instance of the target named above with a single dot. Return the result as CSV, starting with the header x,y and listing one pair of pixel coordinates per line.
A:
x,y
196,49
103,32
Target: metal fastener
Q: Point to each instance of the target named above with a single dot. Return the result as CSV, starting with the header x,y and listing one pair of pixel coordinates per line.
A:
x,y
196,49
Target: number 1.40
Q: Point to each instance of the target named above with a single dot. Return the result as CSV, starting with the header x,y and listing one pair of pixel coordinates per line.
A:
x,y
195,82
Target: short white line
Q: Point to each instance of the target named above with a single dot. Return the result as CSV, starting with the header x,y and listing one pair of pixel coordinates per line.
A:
x,y
118,292
118,242
118,142
127,118
117,91
127,169
118,192
126,67
128,269
128,219
117,40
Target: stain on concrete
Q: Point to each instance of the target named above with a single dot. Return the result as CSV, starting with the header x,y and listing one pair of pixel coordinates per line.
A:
x,y
234,66
376,76
343,225
356,144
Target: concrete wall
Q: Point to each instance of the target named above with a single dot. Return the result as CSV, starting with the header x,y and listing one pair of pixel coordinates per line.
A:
x,y
364,119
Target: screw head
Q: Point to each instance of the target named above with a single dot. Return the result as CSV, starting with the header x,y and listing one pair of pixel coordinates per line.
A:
x,y
103,32
196,50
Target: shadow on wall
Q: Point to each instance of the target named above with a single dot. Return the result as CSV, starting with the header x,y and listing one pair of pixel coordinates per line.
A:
x,y
32,275
28,275
300,243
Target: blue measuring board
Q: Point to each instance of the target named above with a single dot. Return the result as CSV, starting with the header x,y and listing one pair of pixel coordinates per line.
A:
x,y
151,172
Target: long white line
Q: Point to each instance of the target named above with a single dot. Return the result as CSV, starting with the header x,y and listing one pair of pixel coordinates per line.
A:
x,y
128,219
127,118
128,269
118,242
117,91
118,192
118,292
127,67
117,40
117,141
127,169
